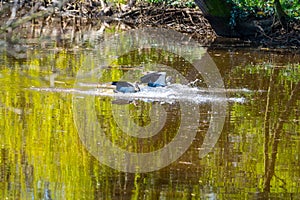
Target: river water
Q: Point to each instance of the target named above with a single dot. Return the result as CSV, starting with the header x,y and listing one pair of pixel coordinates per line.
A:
x,y
226,127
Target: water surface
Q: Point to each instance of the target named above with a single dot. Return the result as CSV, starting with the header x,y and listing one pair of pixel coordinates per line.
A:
x,y
44,154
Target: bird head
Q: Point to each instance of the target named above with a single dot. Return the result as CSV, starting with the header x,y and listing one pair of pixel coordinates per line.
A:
x,y
137,87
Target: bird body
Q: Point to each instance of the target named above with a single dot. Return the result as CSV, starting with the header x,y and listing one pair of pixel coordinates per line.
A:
x,y
125,87
155,79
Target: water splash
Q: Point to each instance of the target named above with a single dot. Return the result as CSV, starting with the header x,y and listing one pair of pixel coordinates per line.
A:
x,y
169,94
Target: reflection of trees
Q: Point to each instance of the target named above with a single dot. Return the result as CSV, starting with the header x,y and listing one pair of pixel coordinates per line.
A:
x,y
270,160
16,19
5,165
240,57
263,142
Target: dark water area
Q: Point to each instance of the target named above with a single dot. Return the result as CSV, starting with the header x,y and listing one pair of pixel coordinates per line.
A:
x,y
230,128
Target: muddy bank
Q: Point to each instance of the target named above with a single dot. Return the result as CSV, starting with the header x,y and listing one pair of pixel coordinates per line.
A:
x,y
82,16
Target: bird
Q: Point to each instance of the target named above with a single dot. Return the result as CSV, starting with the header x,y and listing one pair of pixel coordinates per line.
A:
x,y
126,87
156,79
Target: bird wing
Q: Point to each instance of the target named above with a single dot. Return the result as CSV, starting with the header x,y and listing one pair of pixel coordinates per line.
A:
x,y
122,84
152,77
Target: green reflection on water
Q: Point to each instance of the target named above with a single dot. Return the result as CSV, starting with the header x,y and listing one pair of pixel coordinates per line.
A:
x,y
41,153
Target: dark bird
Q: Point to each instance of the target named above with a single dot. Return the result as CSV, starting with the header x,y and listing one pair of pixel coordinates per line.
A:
x,y
155,79
125,87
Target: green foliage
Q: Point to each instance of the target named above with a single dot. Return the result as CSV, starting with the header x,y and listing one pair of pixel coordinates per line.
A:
x,y
187,3
291,7
263,8
260,8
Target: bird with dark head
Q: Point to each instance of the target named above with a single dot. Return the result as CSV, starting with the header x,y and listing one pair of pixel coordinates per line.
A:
x,y
125,87
156,79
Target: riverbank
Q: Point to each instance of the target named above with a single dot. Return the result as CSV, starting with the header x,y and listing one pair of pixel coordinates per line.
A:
x,y
82,16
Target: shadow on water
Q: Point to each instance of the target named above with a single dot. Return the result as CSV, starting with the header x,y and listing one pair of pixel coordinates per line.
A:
x,y
43,156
